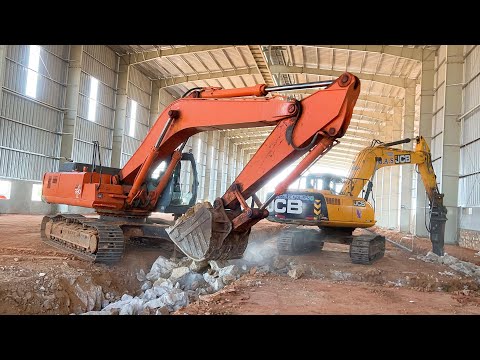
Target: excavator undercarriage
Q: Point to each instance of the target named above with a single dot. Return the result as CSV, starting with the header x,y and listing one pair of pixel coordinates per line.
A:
x,y
364,249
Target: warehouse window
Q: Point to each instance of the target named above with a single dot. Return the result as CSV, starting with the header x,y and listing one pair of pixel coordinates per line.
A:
x,y
92,101
32,74
159,170
5,187
37,192
133,118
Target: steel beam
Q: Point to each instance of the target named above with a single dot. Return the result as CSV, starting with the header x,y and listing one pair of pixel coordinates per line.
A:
x,y
397,81
407,171
426,111
261,64
141,57
120,113
3,54
177,80
452,138
71,101
400,51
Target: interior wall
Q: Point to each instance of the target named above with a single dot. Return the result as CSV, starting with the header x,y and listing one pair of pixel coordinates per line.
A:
x,y
31,125
469,185
101,63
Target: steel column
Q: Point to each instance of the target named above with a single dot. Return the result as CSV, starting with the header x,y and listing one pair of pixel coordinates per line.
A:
x,y
71,101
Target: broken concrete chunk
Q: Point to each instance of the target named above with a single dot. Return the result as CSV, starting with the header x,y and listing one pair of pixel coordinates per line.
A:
x,y
137,305
214,281
448,260
178,273
217,264
149,294
155,303
102,312
198,266
146,285
432,257
339,275
162,311
141,275
175,300
159,282
126,297
160,290
192,281
162,267
228,279
296,273
127,309
229,270
91,296
461,267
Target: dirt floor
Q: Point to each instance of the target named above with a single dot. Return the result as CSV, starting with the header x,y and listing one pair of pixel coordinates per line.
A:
x,y
38,279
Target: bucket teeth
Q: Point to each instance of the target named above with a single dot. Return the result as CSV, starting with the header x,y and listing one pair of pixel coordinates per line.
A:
x,y
205,233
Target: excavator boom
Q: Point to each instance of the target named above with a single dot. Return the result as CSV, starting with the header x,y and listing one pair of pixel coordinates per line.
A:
x,y
308,127
372,158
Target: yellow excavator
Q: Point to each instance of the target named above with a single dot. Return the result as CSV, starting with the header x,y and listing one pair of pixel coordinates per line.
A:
x,y
338,205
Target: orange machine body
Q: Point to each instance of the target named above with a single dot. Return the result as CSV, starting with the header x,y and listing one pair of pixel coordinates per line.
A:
x,y
83,189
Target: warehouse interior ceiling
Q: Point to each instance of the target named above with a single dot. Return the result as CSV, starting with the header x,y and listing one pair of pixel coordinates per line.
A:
x,y
385,71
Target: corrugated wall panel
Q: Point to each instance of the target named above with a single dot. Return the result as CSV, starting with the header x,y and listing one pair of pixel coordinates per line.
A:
x,y
51,70
30,128
61,51
28,112
84,153
100,62
140,91
89,131
469,189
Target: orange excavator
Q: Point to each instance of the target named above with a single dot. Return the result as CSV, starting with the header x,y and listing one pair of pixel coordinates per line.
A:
x,y
125,198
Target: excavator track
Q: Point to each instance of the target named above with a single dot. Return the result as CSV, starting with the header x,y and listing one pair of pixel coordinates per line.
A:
x,y
110,243
367,249
295,241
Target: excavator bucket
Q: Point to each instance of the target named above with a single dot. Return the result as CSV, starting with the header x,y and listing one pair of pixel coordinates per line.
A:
x,y
205,232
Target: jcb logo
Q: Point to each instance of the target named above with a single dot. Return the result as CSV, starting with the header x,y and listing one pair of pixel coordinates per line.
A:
x,y
402,159
289,206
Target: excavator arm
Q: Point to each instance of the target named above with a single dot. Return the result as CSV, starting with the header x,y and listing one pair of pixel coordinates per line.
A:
x,y
372,158
306,128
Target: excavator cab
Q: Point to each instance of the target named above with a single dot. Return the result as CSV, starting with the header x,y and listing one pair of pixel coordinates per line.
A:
x,y
181,191
324,182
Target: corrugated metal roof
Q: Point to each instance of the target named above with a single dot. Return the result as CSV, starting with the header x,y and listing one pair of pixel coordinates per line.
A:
x,y
300,63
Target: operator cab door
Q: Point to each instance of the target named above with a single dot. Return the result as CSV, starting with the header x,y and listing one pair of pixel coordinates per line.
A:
x,y
181,191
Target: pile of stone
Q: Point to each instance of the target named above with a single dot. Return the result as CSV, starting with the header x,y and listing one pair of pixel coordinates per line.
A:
x,y
171,284
454,263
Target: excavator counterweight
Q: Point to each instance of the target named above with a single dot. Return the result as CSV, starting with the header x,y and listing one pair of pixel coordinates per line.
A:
x,y
124,198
